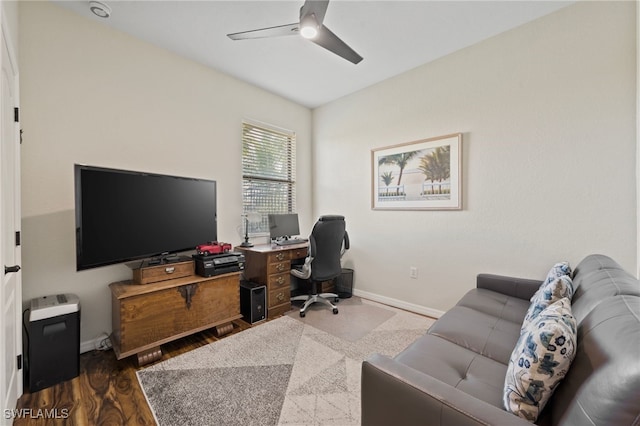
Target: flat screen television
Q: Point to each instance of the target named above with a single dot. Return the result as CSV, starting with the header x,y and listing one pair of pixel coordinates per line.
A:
x,y
126,215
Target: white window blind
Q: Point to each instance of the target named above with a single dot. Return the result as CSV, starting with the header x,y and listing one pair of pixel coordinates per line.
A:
x,y
268,173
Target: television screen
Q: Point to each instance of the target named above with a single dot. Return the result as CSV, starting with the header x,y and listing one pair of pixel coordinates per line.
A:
x,y
125,215
283,225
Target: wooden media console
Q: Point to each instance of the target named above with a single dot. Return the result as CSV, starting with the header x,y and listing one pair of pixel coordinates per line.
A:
x,y
146,316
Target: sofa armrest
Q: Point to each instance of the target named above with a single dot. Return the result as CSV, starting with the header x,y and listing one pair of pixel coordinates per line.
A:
x,y
394,393
522,288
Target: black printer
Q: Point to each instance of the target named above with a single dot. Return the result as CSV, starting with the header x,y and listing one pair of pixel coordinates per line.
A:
x,y
216,264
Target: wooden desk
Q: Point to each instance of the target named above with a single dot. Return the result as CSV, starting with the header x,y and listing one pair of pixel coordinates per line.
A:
x,y
270,266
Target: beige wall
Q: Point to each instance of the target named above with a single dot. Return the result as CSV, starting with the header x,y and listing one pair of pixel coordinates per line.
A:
x,y
547,111
95,96
548,116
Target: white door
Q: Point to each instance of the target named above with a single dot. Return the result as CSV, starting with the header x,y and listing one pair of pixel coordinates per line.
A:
x,y
11,289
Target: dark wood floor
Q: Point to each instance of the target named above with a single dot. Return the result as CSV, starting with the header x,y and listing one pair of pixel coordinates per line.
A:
x,y
107,391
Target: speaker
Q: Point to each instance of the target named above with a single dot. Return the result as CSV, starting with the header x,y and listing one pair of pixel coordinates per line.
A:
x,y
253,301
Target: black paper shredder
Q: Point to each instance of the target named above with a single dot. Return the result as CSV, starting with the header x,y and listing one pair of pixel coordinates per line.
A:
x,y
54,340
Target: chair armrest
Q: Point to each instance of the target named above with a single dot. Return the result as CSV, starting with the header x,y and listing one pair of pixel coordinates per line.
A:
x,y
522,288
303,272
393,393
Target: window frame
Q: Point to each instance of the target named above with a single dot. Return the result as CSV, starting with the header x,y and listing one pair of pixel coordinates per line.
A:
x,y
267,174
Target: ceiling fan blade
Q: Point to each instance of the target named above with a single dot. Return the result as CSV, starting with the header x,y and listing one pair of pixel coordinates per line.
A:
x,y
316,7
332,42
281,30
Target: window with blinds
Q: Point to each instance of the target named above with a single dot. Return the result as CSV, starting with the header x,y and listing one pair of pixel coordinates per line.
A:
x,y
268,173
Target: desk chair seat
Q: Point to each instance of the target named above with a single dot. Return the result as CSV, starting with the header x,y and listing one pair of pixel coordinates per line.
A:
x,y
327,243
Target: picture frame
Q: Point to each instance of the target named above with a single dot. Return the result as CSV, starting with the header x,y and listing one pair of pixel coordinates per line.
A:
x,y
420,175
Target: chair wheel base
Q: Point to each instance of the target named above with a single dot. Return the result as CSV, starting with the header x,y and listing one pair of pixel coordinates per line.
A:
x,y
324,298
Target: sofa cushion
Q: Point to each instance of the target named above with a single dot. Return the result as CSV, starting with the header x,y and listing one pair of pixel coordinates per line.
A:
x,y
603,384
549,292
496,304
482,333
540,359
595,262
596,278
456,366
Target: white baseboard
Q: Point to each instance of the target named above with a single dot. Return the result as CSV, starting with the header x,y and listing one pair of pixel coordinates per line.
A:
x,y
412,307
93,344
89,345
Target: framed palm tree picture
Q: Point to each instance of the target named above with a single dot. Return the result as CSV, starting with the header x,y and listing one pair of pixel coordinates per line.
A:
x,y
420,175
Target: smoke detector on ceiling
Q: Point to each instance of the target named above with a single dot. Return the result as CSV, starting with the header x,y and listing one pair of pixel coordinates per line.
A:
x,y
100,9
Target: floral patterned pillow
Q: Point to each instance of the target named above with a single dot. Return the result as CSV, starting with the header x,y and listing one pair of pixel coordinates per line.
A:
x,y
540,360
547,294
557,270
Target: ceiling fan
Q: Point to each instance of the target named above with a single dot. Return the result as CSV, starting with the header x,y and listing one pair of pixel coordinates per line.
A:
x,y
310,27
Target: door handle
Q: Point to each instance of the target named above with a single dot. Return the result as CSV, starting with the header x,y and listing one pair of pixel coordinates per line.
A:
x,y
9,269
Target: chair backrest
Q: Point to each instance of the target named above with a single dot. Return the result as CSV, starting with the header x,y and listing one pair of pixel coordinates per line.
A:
x,y
326,243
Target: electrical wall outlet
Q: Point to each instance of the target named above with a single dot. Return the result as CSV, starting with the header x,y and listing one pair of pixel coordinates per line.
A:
x,y
413,272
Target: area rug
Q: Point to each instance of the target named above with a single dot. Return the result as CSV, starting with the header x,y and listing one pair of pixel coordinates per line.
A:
x,y
289,371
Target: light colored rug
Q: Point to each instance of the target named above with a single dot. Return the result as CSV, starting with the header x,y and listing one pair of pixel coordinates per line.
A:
x,y
289,371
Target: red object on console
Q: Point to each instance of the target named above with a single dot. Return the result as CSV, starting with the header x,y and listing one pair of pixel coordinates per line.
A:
x,y
213,247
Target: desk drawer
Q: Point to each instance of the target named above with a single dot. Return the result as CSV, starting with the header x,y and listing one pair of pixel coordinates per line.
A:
x,y
279,256
300,253
278,268
153,274
279,281
278,297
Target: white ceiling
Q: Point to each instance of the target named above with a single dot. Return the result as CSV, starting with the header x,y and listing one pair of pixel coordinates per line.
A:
x,y
392,36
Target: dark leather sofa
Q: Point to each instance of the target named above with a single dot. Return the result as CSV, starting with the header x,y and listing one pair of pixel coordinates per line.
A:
x,y
454,374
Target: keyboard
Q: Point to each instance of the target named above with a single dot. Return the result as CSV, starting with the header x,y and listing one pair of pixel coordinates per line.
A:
x,y
291,241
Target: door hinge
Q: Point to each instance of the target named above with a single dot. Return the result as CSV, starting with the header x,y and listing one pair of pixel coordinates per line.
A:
x,y
21,132
17,238
20,362
16,114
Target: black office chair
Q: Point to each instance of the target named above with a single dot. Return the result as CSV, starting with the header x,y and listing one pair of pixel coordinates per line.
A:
x,y
327,243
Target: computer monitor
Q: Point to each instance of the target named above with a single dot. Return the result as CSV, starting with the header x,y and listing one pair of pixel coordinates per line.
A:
x,y
283,225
